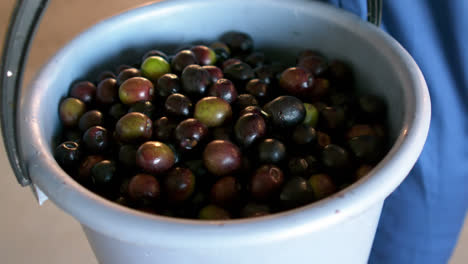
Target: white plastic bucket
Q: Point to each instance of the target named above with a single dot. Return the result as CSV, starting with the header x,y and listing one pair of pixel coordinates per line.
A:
x,y
338,229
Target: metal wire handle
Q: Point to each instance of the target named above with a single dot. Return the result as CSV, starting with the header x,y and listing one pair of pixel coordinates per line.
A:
x,y
374,11
23,25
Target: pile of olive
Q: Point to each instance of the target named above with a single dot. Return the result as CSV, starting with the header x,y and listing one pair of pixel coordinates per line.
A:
x,y
219,131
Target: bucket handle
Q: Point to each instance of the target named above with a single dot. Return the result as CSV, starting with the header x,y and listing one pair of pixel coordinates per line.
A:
x,y
374,11
23,25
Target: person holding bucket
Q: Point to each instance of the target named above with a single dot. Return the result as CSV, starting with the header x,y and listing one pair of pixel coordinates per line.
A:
x,y
422,219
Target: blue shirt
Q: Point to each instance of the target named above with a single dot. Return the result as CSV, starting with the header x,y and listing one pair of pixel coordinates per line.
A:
x,y
422,219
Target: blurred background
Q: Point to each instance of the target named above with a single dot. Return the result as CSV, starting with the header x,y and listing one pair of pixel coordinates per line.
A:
x,y
30,233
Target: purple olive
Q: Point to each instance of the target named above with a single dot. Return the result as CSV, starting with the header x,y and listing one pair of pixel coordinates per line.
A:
x,y
297,81
271,150
136,89
304,135
257,88
70,111
285,111
215,72
195,80
144,189
204,55
96,139
85,91
104,174
316,65
179,184
266,182
322,185
189,133
134,127
238,42
155,157
224,89
68,154
239,73
91,118
107,91
178,105
367,148
336,159
183,59
212,111
168,84
249,128
296,192
226,192
127,74
154,67
221,157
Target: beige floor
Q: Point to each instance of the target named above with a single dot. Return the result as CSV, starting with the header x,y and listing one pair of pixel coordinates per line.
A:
x,y
33,234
